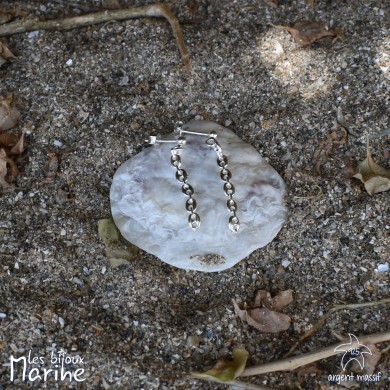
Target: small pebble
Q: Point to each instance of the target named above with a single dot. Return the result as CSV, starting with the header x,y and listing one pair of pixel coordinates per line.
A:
x,y
33,34
58,143
286,263
383,267
69,62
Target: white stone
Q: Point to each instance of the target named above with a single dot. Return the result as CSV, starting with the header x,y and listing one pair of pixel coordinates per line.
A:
x,y
286,263
148,205
58,143
383,267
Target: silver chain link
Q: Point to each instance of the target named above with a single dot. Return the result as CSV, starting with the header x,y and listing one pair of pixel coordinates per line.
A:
x,y
228,187
186,188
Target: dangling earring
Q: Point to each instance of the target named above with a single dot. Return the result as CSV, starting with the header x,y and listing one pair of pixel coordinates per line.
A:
x,y
181,177
228,187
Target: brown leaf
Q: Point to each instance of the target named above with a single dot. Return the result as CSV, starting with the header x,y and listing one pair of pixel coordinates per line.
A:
x,y
375,178
277,303
272,3
5,54
9,115
371,361
281,300
11,157
307,32
12,171
4,16
265,319
8,140
8,14
18,148
3,172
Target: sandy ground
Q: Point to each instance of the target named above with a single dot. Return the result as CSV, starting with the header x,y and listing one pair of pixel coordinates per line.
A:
x,y
146,325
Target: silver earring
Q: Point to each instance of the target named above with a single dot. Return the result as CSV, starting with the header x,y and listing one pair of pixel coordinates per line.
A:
x,y
228,187
181,177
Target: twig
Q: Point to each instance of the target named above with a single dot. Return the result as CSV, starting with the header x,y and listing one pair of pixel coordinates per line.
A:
x,y
322,320
301,360
154,10
241,384
249,386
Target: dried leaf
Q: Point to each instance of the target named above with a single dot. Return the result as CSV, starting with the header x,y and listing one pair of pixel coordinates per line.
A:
x,y
117,251
375,178
226,371
3,172
108,231
371,361
9,115
8,140
277,303
18,148
4,16
8,14
267,318
11,156
5,54
307,32
272,3
12,171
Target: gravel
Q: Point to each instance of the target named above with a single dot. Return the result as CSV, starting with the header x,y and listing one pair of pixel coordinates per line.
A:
x,y
92,96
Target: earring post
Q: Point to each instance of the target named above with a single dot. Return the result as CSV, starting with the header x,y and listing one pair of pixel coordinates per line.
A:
x,y
154,140
212,134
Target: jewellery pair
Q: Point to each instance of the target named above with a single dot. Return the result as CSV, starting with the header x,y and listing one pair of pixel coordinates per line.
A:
x,y
182,176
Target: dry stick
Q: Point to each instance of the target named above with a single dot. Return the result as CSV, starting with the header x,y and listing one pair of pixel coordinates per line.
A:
x,y
248,386
290,364
301,360
155,10
322,320
241,384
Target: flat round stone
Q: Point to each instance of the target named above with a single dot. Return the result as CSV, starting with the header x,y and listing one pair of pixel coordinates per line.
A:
x,y
149,207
